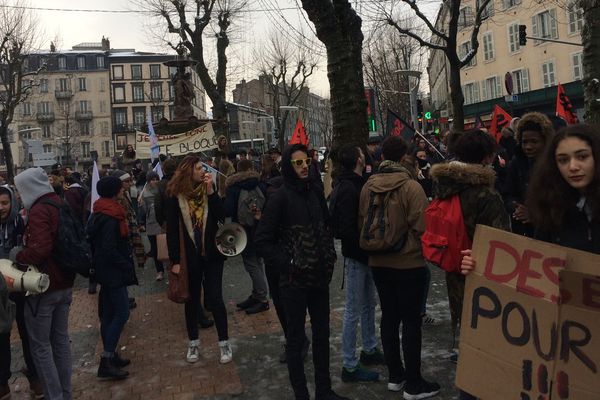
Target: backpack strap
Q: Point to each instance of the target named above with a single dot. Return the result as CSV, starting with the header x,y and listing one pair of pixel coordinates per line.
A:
x,y
370,215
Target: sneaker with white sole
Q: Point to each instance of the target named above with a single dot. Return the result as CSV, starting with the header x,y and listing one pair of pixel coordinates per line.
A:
x,y
396,386
420,389
193,353
226,352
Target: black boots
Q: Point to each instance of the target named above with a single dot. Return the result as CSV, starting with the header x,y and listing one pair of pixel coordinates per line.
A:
x,y
108,369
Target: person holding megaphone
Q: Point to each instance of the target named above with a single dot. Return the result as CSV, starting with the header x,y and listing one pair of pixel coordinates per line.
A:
x,y
12,228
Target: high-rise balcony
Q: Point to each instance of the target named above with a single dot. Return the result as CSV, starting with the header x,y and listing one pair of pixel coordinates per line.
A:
x,y
83,115
63,94
45,116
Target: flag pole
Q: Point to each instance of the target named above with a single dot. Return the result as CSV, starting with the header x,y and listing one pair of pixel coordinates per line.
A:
x,y
431,144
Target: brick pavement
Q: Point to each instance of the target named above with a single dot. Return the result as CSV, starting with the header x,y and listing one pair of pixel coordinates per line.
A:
x,y
155,340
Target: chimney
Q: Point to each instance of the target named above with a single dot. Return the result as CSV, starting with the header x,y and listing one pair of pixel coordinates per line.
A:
x,y
105,44
52,47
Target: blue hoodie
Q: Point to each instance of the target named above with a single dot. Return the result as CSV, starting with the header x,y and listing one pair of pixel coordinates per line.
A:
x,y
11,228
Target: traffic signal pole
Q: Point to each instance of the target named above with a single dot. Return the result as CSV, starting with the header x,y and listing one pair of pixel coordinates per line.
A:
x,y
554,41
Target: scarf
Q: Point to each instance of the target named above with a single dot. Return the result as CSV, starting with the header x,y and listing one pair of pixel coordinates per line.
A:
x,y
197,203
113,209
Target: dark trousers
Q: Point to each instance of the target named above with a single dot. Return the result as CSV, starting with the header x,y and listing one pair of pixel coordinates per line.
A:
x,y
212,273
273,281
5,356
113,315
400,295
296,302
154,253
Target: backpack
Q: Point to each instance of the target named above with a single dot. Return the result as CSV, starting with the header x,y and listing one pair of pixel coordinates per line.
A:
x,y
246,201
445,234
8,309
380,233
72,251
335,212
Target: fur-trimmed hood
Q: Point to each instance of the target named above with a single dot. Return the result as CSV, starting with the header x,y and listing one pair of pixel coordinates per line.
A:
x,y
454,177
252,177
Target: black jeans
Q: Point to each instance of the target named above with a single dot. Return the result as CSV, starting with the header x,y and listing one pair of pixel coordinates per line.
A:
x,y
296,302
272,274
400,294
5,356
212,273
154,253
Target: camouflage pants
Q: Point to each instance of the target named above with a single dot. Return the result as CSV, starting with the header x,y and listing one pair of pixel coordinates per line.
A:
x,y
455,283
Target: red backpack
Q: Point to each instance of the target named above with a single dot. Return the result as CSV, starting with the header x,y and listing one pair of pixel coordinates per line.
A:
x,y
445,234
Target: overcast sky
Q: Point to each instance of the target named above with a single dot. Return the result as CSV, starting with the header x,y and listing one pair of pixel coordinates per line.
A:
x,y
135,30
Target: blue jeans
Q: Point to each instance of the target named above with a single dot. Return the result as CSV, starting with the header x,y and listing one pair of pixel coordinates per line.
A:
x,y
47,320
114,313
360,304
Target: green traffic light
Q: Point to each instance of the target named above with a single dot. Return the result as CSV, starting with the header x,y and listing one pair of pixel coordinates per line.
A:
x,y
428,115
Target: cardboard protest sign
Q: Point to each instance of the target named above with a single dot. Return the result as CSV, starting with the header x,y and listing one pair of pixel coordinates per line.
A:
x,y
531,321
194,141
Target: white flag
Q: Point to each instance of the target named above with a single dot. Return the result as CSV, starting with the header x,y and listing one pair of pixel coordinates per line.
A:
x,y
95,179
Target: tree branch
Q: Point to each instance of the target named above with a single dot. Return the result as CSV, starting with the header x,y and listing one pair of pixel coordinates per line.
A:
x,y
413,35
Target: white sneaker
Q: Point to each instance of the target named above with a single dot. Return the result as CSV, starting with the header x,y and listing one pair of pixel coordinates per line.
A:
x,y
226,352
193,353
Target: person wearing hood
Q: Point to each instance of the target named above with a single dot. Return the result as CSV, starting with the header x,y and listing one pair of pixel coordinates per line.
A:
x,y
108,230
12,228
294,235
46,314
246,179
153,228
472,179
400,275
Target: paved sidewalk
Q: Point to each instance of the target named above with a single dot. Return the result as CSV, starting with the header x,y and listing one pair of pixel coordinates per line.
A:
x,y
155,340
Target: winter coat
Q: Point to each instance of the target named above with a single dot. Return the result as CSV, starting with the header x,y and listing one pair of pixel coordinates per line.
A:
x,y
148,208
75,196
112,254
12,227
410,209
247,180
177,212
40,239
348,186
474,183
515,191
159,200
510,145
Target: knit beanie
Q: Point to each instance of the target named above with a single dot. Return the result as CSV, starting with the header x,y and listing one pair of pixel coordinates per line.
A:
x,y
109,186
122,175
32,184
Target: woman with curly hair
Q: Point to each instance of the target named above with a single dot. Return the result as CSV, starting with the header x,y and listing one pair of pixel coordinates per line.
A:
x,y
194,205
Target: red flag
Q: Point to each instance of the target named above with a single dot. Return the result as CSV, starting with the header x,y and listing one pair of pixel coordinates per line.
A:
x,y
500,119
299,135
564,108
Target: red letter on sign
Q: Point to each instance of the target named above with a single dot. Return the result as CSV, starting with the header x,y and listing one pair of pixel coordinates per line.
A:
x,y
489,264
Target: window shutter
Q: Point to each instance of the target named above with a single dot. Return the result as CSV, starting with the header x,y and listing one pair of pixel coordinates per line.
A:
x,y
535,28
484,92
505,4
553,24
525,79
498,86
476,92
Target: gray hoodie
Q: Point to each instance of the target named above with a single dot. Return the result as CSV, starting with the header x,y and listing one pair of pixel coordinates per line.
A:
x,y
32,184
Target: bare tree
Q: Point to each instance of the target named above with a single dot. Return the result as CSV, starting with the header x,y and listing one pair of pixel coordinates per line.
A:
x,y
18,35
445,39
189,23
287,70
339,28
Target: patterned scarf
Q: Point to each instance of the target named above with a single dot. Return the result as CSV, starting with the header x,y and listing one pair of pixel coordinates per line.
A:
x,y
197,203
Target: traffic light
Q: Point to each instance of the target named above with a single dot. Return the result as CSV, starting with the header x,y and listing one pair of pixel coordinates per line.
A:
x,y
428,115
522,35
420,108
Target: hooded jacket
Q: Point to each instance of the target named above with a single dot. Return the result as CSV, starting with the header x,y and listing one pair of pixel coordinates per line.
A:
x,y
247,180
293,234
514,190
41,230
410,210
12,227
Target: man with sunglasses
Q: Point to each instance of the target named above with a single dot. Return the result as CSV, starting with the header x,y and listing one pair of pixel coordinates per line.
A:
x,y
294,235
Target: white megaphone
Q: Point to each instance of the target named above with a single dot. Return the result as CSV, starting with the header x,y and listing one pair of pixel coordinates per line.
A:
x,y
30,281
231,239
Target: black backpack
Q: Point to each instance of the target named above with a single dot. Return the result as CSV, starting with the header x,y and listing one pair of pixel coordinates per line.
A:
x,y
72,251
334,211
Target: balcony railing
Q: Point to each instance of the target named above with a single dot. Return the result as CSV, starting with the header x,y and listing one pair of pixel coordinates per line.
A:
x,y
45,116
83,115
123,128
63,94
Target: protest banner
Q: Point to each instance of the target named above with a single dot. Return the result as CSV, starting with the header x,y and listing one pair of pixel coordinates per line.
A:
x,y
194,141
530,321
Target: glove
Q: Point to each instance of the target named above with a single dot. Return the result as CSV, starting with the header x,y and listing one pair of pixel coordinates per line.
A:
x,y
12,256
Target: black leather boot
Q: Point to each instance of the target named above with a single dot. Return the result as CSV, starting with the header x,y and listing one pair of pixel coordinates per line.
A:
x,y
108,370
120,362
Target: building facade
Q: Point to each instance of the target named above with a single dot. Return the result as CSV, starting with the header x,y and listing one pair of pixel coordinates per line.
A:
x,y
535,68
247,123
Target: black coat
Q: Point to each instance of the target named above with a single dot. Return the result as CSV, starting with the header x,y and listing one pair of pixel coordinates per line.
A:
x,y
112,255
216,215
514,190
577,232
348,186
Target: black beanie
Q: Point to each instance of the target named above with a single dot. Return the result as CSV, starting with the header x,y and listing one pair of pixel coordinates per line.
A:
x,y
109,186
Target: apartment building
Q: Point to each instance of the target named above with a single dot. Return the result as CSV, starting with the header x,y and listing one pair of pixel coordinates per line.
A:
x,y
141,83
536,68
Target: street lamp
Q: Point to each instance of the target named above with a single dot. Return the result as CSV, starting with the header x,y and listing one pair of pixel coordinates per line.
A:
x,y
413,92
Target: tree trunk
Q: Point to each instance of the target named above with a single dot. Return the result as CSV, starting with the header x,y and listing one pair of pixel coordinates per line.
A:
x,y
456,94
339,28
591,55
221,127
8,157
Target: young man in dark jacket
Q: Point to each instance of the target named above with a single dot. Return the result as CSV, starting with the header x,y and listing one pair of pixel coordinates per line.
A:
x,y
294,235
46,314
12,228
247,179
108,230
360,287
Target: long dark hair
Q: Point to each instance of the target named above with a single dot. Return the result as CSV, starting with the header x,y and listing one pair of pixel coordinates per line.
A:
x,y
549,195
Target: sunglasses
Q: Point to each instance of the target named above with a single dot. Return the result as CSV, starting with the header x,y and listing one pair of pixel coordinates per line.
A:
x,y
301,161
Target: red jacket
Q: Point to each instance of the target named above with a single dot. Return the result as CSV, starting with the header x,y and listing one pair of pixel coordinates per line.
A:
x,y
40,235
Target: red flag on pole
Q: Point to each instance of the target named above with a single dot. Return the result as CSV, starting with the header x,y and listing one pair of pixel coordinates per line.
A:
x,y
564,108
500,119
299,135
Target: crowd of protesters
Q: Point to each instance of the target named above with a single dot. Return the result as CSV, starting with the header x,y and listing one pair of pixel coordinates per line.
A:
x,y
539,180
